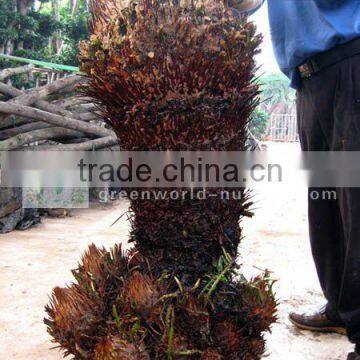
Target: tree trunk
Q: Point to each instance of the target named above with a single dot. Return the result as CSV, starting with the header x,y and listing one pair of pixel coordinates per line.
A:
x,y
58,39
50,45
9,41
176,294
37,135
23,7
75,7
9,46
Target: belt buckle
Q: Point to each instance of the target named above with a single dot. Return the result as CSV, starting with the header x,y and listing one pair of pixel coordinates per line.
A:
x,y
305,70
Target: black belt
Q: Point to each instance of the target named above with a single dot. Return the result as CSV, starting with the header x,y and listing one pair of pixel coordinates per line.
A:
x,y
329,57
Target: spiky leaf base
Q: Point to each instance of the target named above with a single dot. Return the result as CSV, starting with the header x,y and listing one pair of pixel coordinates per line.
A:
x,y
117,312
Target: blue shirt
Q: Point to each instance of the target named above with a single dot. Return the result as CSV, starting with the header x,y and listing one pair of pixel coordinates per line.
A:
x,y
301,29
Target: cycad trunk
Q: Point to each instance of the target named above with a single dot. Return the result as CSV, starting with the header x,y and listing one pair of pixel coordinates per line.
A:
x,y
169,77
186,237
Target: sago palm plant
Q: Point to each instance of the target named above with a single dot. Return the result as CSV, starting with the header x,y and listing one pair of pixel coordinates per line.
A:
x,y
169,76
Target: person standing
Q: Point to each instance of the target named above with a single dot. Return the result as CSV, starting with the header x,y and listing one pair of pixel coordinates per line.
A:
x,y
317,45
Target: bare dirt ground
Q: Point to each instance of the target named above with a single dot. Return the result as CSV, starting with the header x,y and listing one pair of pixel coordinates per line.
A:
x,y
33,262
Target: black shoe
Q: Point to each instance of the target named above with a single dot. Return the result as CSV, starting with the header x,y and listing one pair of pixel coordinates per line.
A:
x,y
317,322
355,355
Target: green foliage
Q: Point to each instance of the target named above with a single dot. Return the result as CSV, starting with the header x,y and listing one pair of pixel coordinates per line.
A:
x,y
25,34
31,35
74,30
258,123
275,89
46,23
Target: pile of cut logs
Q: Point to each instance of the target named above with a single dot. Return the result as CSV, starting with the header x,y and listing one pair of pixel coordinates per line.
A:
x,y
51,116
47,117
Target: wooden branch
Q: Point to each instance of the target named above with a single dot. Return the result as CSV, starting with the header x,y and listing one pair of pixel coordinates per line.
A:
x,y
33,95
72,101
5,134
89,145
9,90
84,107
12,121
57,120
89,116
69,89
106,142
15,71
41,104
7,209
76,140
51,108
36,135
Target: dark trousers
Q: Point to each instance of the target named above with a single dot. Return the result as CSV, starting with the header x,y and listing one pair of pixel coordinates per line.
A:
x,y
328,106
